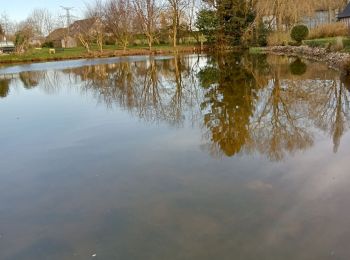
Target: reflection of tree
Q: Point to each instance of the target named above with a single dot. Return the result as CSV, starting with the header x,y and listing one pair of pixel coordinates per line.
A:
x,y
330,110
297,67
244,103
31,79
279,124
251,105
228,104
155,90
4,87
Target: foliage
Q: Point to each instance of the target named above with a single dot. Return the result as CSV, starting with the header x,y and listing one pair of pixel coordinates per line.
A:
x,y
47,45
228,103
235,16
226,22
4,87
255,50
208,23
338,45
299,33
260,35
329,30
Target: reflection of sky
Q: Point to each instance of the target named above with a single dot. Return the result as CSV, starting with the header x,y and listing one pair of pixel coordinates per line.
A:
x,y
91,179
67,64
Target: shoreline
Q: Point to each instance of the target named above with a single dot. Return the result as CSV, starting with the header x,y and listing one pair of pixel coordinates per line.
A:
x,y
335,60
104,54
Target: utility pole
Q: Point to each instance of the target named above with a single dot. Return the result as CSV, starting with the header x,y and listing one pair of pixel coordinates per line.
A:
x,y
68,23
68,15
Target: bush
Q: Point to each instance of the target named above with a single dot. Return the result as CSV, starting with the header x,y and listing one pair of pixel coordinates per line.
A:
x,y
329,30
338,44
299,33
262,33
47,45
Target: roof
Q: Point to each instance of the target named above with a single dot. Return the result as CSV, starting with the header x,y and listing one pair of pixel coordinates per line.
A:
x,y
82,25
57,34
345,13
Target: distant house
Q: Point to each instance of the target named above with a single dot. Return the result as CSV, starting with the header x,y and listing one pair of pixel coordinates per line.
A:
x,y
316,18
36,41
344,16
69,37
320,17
7,46
85,26
60,39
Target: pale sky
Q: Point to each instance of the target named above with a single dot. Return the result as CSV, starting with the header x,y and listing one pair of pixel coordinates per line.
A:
x,y
19,9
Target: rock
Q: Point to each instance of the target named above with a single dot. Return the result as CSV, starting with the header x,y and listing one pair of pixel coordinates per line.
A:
x,y
333,59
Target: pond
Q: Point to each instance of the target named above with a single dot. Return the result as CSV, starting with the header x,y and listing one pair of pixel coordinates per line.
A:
x,y
226,156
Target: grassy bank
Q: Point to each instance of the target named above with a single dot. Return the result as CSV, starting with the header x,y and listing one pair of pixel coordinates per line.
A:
x,y
37,55
256,50
325,42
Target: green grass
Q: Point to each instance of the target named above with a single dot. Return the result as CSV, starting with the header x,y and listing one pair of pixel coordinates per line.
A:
x,y
43,54
78,52
255,50
324,42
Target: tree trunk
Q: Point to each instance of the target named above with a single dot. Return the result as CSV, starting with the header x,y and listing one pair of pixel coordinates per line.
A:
x,y
174,28
125,44
150,43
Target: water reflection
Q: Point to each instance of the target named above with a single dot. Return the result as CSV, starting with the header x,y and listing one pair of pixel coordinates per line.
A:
x,y
4,87
243,104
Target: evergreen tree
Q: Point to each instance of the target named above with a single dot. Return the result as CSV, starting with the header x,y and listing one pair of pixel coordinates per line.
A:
x,y
234,17
226,21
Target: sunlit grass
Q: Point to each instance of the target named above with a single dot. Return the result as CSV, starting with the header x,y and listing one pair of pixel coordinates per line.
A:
x,y
80,52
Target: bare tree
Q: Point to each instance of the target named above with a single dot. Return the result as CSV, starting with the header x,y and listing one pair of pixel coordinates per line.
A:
x,y
8,26
288,12
147,12
96,31
118,17
23,35
177,8
42,21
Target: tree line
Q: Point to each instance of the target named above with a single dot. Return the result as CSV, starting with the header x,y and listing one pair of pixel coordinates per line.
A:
x,y
220,22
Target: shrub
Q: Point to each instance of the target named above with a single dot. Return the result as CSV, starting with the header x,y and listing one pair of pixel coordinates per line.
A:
x,y
329,30
299,33
262,32
338,44
47,45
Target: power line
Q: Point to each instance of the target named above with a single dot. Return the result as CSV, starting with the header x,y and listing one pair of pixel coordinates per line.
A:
x,y
68,15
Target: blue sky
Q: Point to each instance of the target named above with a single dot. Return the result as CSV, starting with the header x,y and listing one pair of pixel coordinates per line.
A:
x,y
19,9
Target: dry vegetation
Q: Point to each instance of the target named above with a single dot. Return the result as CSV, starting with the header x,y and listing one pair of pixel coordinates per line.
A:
x,y
278,38
329,30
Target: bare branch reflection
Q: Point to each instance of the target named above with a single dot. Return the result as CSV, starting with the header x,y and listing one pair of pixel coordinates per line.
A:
x,y
262,104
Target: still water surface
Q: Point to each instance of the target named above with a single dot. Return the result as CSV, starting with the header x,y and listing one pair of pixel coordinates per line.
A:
x,y
178,158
